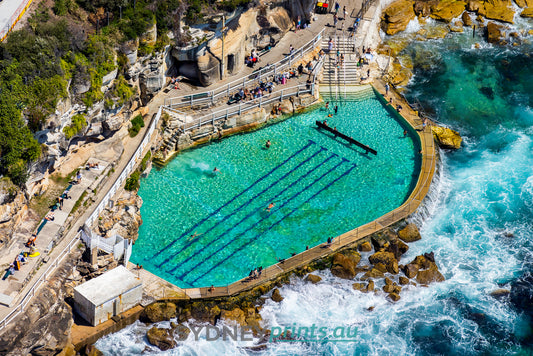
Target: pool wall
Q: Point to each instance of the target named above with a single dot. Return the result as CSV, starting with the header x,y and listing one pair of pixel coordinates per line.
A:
x,y
423,140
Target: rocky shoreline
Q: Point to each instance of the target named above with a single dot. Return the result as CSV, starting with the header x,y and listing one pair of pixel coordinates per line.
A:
x,y
383,250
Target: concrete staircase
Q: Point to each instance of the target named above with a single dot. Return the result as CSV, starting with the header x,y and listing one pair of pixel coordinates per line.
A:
x,y
338,76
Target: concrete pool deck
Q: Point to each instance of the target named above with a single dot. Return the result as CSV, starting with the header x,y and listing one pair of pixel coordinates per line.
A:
x,y
427,168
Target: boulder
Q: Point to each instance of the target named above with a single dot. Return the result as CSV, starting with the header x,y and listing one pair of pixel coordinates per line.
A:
x,y
474,5
313,278
500,10
387,259
448,138
396,289
158,311
359,286
467,20
343,264
411,270
446,10
373,273
370,286
524,3
494,35
397,16
365,247
456,27
236,314
422,8
180,331
388,281
428,276
162,338
388,288
394,297
527,12
403,280
276,296
409,233
500,293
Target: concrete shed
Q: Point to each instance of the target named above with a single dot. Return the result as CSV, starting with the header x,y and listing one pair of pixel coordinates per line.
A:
x,y
108,295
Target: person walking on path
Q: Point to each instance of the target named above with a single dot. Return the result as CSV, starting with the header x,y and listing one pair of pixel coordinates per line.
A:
x,y
291,49
344,14
387,87
335,20
337,7
298,24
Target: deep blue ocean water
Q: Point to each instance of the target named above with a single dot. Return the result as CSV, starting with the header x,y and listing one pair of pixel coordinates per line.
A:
x,y
478,221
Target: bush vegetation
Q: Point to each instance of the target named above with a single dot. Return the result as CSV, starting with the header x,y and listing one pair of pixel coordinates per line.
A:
x,y
132,183
78,124
75,40
136,124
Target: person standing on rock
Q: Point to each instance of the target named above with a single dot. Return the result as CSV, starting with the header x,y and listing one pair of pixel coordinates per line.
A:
x,y
344,14
387,87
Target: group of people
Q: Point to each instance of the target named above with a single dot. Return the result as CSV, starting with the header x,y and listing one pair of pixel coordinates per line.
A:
x,y
255,273
252,59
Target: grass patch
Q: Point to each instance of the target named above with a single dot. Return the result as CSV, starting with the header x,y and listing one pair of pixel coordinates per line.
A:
x,y
78,202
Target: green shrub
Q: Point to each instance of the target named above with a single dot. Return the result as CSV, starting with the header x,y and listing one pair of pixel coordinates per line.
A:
x,y
132,183
136,124
78,123
145,160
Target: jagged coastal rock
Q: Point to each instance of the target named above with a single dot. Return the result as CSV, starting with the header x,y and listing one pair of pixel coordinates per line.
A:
x,y
397,16
446,137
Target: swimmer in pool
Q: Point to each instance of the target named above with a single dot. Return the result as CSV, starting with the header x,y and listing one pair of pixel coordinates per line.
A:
x,y
270,206
216,170
193,236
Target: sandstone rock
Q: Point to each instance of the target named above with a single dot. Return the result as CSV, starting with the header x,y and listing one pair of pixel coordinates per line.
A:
x,y
527,12
388,288
162,338
411,270
343,264
421,262
313,278
388,281
373,273
500,10
397,16
474,5
456,27
524,3
422,8
500,293
150,36
446,10
429,275
381,238
158,311
396,289
365,247
236,314
448,138
370,286
399,76
403,280
180,331
276,296
467,20
380,267
409,233
387,259
359,286
394,297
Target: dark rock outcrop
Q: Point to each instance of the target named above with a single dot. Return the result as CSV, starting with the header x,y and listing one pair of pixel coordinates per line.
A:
x,y
343,265
409,233
161,337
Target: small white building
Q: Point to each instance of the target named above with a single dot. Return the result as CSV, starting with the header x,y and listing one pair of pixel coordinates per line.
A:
x,y
108,295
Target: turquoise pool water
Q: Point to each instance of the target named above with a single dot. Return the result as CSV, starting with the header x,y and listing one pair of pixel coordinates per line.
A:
x,y
321,187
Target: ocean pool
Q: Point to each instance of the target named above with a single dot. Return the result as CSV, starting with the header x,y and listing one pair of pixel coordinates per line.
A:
x,y
203,228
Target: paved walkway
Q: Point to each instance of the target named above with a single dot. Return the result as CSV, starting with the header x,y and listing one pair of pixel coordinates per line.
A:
x,y
297,39
49,232
8,9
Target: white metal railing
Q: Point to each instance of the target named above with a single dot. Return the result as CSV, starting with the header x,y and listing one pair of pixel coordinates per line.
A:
x,y
27,298
240,109
209,97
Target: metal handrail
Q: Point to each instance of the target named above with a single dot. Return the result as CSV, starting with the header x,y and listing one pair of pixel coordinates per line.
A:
x,y
225,90
238,110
